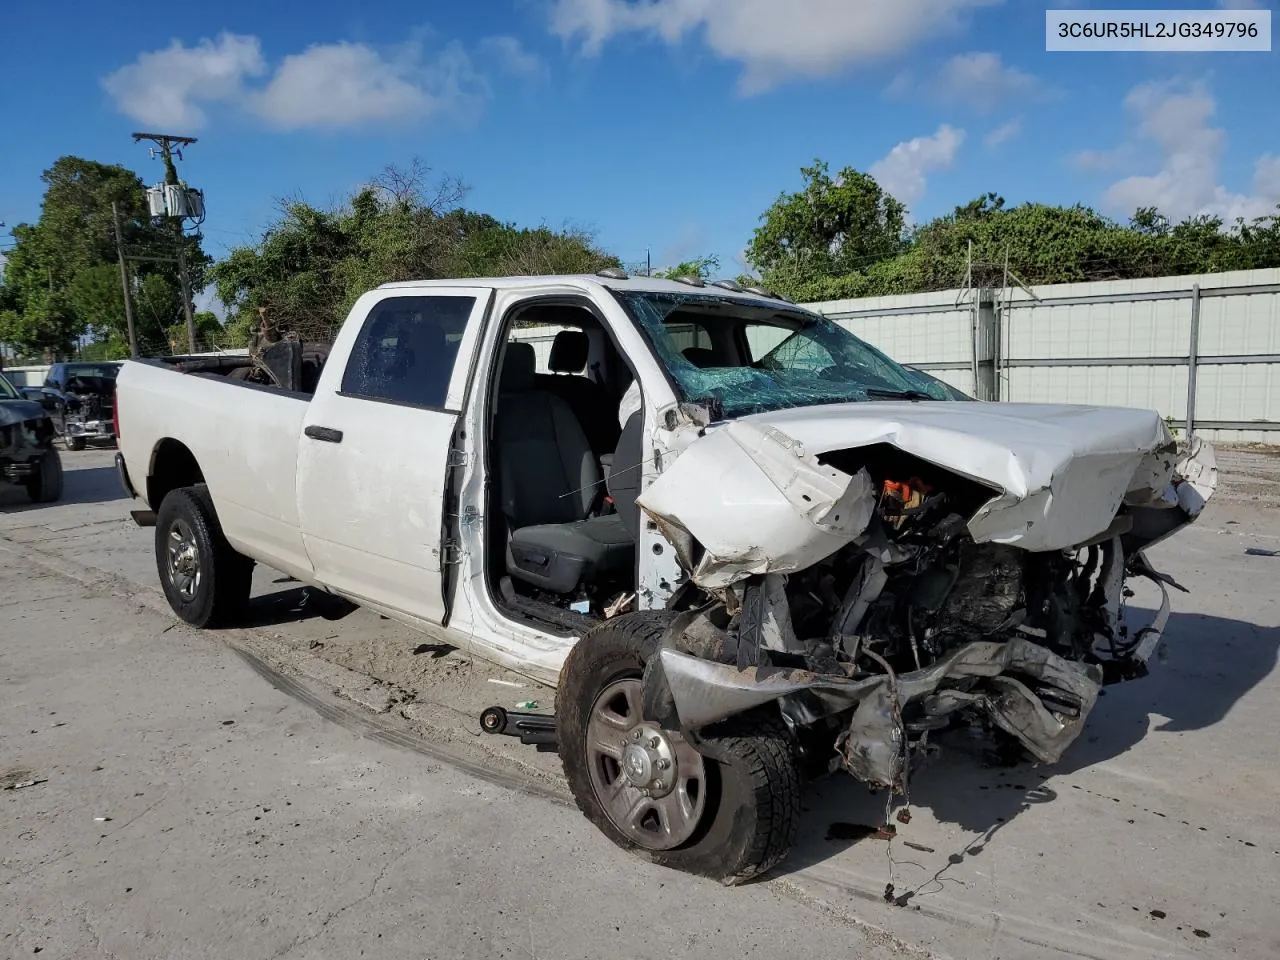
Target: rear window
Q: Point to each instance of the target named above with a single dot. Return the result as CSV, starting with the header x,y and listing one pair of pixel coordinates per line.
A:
x,y
406,349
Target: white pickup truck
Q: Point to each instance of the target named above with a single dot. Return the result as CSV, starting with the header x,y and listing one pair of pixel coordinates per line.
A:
x,y
744,544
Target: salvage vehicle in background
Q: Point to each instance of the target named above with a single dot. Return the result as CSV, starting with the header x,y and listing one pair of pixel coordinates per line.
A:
x,y
80,397
27,455
744,544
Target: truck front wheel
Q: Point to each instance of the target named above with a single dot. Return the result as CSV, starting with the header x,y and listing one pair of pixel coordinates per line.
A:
x,y
205,581
725,807
45,485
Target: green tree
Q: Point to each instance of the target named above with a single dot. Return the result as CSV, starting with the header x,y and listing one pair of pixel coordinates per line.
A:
x,y
58,283
1040,244
829,228
702,267
312,264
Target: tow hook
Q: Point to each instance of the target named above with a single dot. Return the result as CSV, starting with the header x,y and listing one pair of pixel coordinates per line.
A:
x,y
535,728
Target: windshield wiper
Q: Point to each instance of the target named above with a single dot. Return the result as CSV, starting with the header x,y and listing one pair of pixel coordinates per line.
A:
x,y
877,394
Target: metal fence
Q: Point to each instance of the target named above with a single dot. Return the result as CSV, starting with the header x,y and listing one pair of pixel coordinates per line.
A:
x,y
1202,350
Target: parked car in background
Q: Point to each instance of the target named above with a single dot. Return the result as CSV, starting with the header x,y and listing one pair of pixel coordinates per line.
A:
x,y
80,395
27,454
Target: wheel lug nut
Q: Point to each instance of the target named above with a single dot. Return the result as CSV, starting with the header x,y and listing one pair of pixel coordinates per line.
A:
x,y
654,742
658,785
663,763
636,735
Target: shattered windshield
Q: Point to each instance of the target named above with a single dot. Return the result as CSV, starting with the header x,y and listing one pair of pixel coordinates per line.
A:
x,y
739,357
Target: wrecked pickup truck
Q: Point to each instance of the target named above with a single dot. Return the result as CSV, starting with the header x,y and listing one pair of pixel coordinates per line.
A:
x,y
744,544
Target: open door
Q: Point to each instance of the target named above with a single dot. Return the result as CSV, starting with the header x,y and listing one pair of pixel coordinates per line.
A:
x,y
375,454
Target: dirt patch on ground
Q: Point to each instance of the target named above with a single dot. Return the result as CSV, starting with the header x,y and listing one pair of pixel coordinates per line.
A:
x,y
1249,475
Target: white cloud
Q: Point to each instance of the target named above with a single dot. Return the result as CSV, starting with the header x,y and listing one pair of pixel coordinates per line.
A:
x,y
1174,117
351,84
1002,134
164,87
981,80
773,41
326,86
1090,160
902,170
510,55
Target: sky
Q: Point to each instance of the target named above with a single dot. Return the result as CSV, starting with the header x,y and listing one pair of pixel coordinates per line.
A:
x,y
665,126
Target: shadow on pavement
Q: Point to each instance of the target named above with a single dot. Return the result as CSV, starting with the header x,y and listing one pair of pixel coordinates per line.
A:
x,y
80,485
1212,663
283,606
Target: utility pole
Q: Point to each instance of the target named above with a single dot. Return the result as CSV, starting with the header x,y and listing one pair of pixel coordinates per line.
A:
x,y
124,281
168,144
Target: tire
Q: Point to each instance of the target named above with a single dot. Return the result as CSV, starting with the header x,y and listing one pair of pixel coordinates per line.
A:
x,y
75,443
751,812
46,485
212,591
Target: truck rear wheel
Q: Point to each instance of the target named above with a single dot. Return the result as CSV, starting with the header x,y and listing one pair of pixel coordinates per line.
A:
x,y
725,807
205,581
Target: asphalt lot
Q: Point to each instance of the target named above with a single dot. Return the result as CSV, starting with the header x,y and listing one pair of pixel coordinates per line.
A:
x,y
1156,836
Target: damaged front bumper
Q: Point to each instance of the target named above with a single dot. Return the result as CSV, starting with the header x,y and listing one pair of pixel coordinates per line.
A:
x,y
1035,674
1031,693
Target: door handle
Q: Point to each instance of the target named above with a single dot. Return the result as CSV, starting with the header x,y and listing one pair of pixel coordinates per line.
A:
x,y
327,434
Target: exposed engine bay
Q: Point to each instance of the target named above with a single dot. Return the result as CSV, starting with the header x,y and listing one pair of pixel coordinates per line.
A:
x,y
915,623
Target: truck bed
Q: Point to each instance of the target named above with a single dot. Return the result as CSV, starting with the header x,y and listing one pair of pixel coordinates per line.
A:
x,y
243,435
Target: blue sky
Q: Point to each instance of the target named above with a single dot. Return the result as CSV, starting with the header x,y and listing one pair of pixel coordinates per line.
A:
x,y
667,125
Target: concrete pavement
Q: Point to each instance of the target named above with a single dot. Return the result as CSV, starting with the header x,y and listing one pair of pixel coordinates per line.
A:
x,y
195,803
1156,835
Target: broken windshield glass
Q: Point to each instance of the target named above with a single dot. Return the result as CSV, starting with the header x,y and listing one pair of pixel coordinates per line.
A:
x,y
739,357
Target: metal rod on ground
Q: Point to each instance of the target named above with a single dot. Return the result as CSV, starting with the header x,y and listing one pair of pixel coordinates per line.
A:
x,y
1193,356
124,282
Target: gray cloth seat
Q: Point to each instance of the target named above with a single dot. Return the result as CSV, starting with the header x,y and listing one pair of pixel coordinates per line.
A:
x,y
586,398
550,482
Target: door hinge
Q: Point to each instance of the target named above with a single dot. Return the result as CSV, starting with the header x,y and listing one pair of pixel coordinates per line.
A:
x,y
458,458
451,553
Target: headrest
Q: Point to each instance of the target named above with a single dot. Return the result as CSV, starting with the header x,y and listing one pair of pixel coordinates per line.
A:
x,y
700,357
569,352
518,367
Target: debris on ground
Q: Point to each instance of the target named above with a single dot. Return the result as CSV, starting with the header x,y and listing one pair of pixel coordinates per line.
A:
x,y
527,705
620,605
20,779
1260,552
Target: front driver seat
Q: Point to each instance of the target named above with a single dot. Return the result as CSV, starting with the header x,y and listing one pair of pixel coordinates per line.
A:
x,y
587,399
549,481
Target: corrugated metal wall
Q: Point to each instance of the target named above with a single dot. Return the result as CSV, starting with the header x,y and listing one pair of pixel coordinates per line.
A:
x,y
1125,343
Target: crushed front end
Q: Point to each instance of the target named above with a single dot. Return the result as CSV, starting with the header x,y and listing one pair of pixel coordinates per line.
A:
x,y
880,595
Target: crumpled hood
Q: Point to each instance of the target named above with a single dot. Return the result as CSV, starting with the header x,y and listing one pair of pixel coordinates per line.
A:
x,y
1058,475
17,411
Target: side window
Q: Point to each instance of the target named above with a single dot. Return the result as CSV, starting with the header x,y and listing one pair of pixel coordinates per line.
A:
x,y
405,351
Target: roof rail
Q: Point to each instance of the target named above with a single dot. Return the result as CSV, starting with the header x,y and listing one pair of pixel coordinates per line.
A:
x,y
613,273
728,285
762,292
691,281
